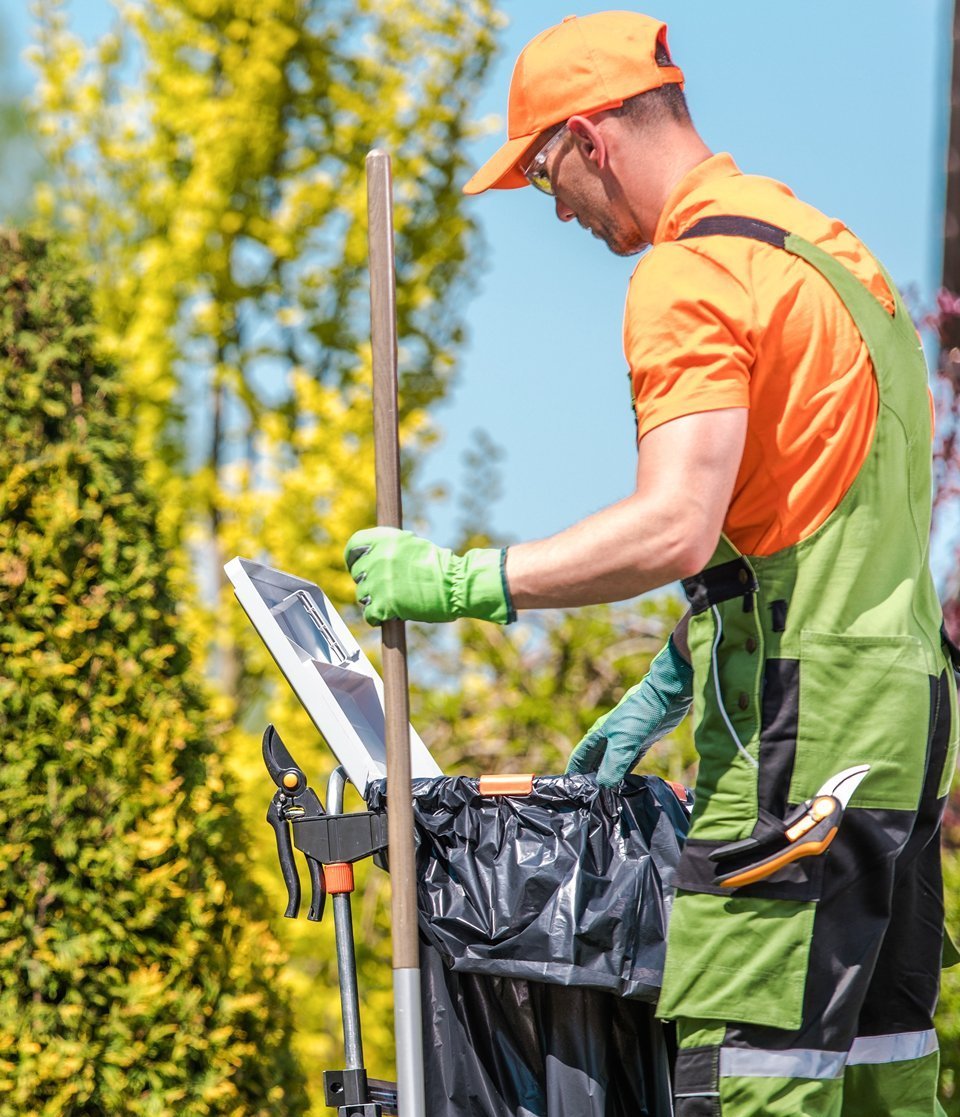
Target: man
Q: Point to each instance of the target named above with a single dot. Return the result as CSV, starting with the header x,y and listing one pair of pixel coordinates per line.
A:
x,y
784,475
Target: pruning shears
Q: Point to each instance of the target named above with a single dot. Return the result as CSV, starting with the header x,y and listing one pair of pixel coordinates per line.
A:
x,y
806,832
293,801
329,842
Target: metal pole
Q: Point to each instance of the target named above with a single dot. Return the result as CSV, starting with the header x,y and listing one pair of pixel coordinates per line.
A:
x,y
408,1027
346,954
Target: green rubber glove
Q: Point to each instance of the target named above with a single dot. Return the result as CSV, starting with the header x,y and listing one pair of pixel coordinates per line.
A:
x,y
400,575
647,712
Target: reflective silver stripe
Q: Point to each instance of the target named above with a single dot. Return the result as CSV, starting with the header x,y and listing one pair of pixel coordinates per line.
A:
x,y
737,1062
801,1062
897,1048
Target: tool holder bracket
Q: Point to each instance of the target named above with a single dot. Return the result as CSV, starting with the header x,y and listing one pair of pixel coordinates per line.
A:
x,y
341,838
352,1094
336,840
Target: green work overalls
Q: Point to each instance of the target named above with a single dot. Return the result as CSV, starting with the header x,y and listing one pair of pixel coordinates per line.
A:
x,y
813,992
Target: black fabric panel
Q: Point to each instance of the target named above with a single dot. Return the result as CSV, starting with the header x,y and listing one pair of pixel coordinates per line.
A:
x,y
940,734
697,1071
801,880
778,615
730,226
720,583
779,720
875,955
952,650
913,942
911,949
697,1082
849,925
495,1046
698,1107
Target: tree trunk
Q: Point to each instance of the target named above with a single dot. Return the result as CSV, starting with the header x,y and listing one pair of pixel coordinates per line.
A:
x,y
951,221
947,321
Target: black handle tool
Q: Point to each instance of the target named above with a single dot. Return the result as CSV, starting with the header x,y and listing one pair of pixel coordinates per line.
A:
x,y
293,801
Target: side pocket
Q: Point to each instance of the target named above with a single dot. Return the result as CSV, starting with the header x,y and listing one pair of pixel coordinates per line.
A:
x,y
863,700
736,959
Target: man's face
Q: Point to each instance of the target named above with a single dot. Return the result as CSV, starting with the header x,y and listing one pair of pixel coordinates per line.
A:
x,y
592,196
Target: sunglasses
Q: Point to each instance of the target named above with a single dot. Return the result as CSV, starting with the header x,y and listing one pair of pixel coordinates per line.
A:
x,y
536,170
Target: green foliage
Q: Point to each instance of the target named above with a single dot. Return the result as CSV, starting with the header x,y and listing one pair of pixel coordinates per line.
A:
x,y
221,200
521,698
948,1014
206,160
138,973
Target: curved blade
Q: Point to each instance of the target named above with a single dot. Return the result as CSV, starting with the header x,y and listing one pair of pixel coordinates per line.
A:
x,y
279,762
845,783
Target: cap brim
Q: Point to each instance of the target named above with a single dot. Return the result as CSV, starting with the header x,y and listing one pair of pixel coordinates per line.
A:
x,y
500,172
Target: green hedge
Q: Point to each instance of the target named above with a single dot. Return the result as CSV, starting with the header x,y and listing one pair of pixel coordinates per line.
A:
x,y
137,973
948,1015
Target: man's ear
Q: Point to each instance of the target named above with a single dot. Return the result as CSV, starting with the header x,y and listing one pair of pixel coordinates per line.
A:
x,y
589,140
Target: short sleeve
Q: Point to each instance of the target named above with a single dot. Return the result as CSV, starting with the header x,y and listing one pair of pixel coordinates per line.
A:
x,y
689,336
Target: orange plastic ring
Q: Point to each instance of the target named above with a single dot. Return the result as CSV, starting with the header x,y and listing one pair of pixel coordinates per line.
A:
x,y
338,877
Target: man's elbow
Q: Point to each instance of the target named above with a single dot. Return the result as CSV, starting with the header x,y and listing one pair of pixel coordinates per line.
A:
x,y
689,550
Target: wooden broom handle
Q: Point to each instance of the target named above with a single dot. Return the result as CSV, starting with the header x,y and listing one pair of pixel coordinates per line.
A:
x,y
383,332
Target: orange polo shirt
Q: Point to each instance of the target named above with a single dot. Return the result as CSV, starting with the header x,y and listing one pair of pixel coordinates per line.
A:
x,y
723,321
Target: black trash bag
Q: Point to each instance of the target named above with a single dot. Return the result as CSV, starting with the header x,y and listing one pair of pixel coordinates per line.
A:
x,y
505,1047
570,885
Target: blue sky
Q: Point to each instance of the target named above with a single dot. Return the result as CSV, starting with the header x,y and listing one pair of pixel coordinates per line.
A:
x,y
846,102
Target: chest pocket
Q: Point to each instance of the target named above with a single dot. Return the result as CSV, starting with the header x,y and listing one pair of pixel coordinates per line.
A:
x,y
863,700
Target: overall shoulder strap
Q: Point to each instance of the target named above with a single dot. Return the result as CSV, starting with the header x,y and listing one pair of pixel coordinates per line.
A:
x,y
871,317
730,226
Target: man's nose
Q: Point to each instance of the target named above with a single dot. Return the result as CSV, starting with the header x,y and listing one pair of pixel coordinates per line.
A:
x,y
564,212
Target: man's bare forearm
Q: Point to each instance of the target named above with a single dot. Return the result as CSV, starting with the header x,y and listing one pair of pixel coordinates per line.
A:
x,y
667,529
624,550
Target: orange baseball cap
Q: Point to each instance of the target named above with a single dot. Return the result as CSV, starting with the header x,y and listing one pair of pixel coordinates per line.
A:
x,y
581,66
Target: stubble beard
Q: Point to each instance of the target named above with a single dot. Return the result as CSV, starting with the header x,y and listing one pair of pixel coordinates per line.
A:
x,y
621,244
